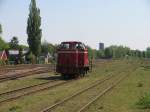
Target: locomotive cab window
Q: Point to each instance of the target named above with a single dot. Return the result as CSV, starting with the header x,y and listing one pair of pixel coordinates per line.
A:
x,y
73,46
64,46
80,46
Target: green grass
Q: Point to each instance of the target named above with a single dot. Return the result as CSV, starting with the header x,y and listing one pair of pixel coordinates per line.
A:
x,y
144,101
14,109
121,99
125,96
23,82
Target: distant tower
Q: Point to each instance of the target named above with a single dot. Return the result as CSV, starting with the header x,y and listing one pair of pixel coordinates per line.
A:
x,y
101,46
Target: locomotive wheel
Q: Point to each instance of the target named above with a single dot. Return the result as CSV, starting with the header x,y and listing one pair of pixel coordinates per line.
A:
x,y
64,76
67,76
82,74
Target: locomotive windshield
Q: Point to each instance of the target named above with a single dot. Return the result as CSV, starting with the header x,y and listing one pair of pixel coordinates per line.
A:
x,y
80,46
77,45
64,46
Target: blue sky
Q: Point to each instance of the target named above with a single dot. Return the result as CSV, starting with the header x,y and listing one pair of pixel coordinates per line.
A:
x,y
114,22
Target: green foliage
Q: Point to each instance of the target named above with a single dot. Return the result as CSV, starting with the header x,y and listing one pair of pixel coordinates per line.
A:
x,y
1,29
100,54
148,52
117,52
14,43
23,46
108,53
3,44
14,109
140,84
21,55
48,47
144,102
33,29
2,62
90,52
30,58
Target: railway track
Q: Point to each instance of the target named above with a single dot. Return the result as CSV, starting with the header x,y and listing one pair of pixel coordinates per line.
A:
x,y
18,93
24,74
24,66
102,93
6,69
24,88
114,81
82,109
74,95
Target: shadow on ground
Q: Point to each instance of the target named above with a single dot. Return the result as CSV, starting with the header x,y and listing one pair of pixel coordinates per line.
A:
x,y
50,78
53,78
146,67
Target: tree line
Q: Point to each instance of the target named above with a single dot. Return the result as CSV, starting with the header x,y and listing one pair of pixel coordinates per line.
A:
x,y
34,32
14,44
36,47
118,52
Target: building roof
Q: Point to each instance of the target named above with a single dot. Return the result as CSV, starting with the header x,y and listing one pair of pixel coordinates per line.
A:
x,y
3,55
16,52
13,52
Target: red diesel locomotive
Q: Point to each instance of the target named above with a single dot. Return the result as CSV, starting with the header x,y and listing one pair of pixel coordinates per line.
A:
x,y
72,59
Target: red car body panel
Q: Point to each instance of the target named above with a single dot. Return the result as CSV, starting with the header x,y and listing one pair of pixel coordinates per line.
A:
x,y
72,60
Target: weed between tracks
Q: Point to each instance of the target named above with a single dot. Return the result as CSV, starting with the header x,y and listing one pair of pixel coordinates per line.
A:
x,y
23,82
38,101
80,100
144,101
125,97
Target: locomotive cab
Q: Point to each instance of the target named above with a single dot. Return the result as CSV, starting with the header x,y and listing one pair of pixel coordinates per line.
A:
x,y
72,59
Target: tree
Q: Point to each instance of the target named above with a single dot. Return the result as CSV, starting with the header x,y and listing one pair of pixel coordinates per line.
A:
x,y
3,45
90,52
48,47
33,29
14,43
100,54
144,54
108,52
1,29
148,52
21,55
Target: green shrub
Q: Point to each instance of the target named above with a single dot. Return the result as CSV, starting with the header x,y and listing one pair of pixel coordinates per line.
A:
x,y
144,102
140,84
2,62
14,109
